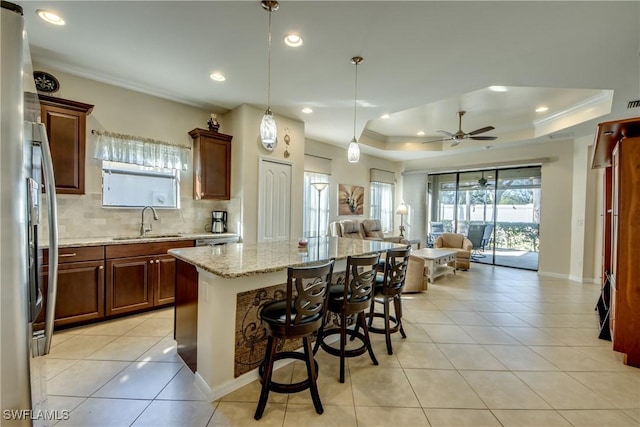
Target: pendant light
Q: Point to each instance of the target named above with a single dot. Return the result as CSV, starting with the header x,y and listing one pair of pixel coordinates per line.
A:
x,y
353,154
268,129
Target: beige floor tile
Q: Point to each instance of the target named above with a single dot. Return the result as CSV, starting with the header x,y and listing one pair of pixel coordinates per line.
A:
x,y
80,346
530,418
504,319
305,415
470,356
562,391
379,346
414,333
152,327
413,355
417,301
633,413
443,389
64,403
568,359
167,413
164,351
241,414
531,336
461,417
140,380
84,377
112,327
56,366
520,358
574,336
182,387
165,313
467,318
59,338
489,335
622,388
251,391
503,390
332,391
124,348
426,316
380,386
449,304
599,418
447,334
105,413
368,416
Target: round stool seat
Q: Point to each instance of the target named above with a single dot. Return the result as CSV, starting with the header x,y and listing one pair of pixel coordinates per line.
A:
x,y
276,313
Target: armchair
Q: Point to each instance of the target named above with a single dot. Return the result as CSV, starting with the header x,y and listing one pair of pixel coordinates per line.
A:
x,y
372,230
458,243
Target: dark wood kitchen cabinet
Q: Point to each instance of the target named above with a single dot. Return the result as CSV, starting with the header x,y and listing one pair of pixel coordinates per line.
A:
x,y
80,295
65,121
140,276
211,165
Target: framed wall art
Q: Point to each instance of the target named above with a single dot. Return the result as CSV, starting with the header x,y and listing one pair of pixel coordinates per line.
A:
x,y
350,199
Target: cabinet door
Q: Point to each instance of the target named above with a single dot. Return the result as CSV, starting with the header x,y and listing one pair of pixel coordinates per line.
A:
x,y
65,121
80,293
165,281
129,284
212,165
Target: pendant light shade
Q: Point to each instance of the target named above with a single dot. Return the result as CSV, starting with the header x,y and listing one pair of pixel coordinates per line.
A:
x,y
353,154
268,128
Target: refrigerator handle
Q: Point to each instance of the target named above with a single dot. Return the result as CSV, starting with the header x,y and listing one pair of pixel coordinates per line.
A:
x,y
52,214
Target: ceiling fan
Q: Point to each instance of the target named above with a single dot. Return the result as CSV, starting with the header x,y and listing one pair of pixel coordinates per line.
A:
x,y
460,134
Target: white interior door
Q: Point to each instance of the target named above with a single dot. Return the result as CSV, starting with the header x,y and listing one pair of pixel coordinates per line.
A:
x,y
274,209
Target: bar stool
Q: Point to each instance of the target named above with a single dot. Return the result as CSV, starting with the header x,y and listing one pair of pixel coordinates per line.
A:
x,y
389,289
350,296
297,316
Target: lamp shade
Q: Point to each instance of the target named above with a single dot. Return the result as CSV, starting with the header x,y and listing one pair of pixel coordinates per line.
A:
x,y
268,129
402,209
320,185
353,154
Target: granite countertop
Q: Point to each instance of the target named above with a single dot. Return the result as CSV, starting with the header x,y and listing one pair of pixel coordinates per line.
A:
x,y
123,240
248,259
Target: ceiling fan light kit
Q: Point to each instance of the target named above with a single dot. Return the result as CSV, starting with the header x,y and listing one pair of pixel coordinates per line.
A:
x,y
461,135
268,127
353,153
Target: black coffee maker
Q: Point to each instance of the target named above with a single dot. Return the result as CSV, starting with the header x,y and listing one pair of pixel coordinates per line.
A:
x,y
219,221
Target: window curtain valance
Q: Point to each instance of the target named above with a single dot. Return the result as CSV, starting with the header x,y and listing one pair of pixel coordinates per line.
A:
x,y
136,150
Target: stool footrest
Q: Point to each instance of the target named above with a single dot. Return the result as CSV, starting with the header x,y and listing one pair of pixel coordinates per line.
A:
x,y
376,330
293,387
347,353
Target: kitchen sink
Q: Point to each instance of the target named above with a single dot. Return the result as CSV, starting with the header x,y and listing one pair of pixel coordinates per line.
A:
x,y
148,236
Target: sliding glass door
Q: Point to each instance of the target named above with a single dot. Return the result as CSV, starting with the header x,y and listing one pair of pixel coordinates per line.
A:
x,y
498,210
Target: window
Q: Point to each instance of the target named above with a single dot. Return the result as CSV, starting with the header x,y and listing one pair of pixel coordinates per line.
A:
x,y
382,204
129,185
310,211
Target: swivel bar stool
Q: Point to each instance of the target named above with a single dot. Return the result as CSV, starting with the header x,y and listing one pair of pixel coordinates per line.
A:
x,y
299,315
389,289
350,296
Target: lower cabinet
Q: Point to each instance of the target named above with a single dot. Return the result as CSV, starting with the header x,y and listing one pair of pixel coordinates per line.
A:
x,y
140,276
80,296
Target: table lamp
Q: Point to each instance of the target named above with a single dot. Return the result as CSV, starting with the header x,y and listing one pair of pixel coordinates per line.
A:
x,y
402,210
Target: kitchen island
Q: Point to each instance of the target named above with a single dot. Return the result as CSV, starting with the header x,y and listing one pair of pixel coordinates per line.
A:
x,y
219,290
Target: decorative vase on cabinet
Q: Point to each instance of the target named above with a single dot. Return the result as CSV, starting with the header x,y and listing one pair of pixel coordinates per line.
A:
x,y
211,165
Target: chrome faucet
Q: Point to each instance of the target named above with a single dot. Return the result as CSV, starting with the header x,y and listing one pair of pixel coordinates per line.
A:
x,y
143,229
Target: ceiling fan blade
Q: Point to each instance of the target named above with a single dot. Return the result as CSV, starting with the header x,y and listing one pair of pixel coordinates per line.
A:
x,y
484,138
436,140
445,132
481,130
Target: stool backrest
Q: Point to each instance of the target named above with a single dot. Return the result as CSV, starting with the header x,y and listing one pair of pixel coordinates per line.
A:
x,y
360,279
395,270
311,285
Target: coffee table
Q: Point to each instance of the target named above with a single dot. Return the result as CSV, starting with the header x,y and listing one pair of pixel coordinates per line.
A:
x,y
437,261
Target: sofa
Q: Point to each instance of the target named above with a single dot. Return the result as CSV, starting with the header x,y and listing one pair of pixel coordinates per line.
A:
x,y
415,281
458,243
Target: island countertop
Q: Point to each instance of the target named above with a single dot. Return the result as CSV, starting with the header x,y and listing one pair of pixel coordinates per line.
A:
x,y
248,259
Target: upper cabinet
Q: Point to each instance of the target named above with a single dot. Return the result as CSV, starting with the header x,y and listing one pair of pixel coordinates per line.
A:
x,y
211,165
65,121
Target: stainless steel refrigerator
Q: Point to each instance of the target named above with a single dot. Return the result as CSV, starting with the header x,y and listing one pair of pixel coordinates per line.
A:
x,y
24,160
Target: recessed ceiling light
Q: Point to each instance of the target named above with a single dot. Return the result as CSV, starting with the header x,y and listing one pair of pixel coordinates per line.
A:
x,y
385,116
217,76
541,109
307,110
420,133
498,88
50,17
293,40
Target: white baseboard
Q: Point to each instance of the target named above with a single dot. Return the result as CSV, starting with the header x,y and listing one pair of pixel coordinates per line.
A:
x,y
573,278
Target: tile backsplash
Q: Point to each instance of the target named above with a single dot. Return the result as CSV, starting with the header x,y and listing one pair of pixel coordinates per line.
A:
x,y
84,216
